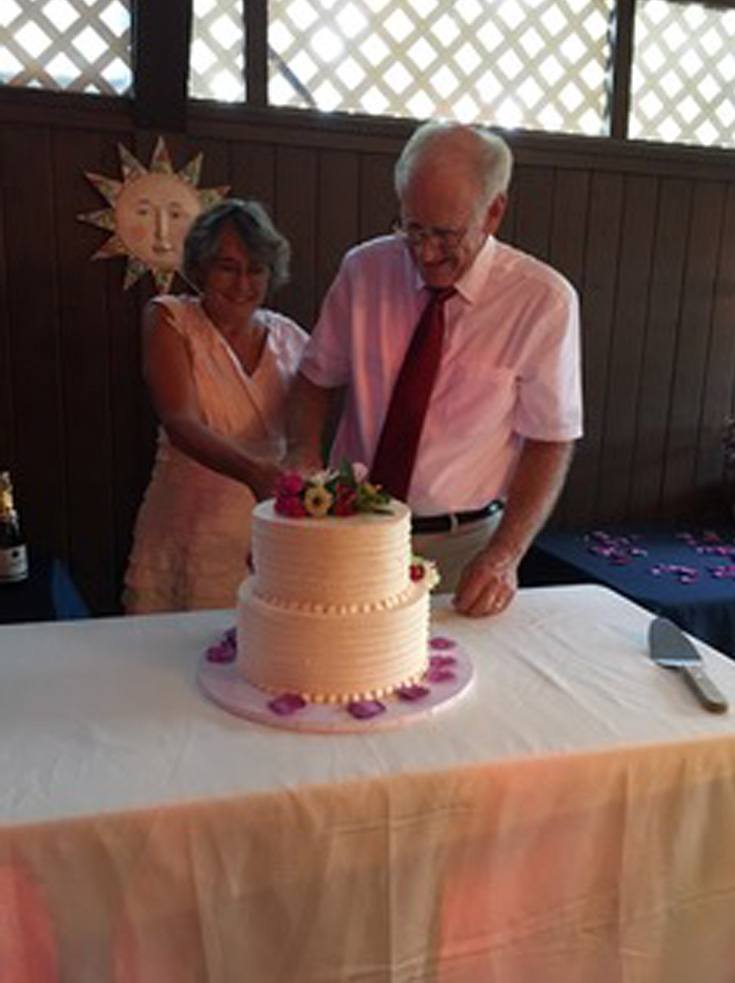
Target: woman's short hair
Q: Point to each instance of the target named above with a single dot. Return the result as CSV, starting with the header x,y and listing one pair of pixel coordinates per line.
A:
x,y
484,154
252,225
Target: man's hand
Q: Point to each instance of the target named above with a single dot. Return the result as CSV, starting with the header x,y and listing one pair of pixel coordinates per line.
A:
x,y
488,583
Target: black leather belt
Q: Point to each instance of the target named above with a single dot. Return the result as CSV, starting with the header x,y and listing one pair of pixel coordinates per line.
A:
x,y
444,523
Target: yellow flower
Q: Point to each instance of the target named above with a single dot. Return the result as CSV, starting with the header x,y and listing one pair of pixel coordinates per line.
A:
x,y
318,501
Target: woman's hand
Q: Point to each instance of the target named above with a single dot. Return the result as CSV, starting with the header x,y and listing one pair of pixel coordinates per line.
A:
x,y
263,481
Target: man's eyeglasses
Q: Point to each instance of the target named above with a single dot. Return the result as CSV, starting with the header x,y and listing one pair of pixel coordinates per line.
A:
x,y
415,235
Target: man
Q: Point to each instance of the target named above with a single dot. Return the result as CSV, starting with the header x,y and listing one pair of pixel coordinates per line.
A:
x,y
504,408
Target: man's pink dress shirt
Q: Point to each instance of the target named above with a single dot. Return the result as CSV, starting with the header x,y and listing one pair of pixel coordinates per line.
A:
x,y
510,366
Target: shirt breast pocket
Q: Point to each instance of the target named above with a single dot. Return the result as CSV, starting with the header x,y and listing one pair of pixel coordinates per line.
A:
x,y
478,402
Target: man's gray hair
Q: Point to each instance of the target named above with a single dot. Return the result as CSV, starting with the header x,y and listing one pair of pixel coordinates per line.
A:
x,y
484,154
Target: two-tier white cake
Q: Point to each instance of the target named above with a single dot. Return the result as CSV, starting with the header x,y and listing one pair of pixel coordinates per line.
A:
x,y
332,612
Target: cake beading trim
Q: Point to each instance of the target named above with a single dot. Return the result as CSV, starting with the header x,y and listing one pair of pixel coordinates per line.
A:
x,y
316,607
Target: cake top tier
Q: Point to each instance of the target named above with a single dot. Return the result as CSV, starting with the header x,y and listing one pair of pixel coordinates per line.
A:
x,y
361,559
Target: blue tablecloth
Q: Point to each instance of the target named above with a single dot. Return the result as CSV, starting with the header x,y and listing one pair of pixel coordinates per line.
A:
x,y
686,573
49,594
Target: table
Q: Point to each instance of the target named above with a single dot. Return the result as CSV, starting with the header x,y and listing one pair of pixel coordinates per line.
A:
x,y
48,594
672,574
571,820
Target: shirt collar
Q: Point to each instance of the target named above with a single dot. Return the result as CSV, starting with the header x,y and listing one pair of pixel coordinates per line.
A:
x,y
472,281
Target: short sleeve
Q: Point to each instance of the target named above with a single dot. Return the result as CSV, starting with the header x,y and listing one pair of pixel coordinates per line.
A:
x,y
549,405
326,360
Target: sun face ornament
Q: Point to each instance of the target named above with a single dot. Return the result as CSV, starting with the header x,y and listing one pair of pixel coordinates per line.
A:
x,y
150,212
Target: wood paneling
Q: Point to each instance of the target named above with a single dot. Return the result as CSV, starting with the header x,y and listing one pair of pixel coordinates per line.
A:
x,y
632,257
338,225
693,338
720,385
295,214
598,288
39,419
648,238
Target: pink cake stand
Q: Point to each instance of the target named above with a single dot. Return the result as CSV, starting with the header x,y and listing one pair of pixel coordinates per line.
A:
x,y
449,677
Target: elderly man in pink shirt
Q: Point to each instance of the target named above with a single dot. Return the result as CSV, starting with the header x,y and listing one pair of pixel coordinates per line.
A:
x,y
504,408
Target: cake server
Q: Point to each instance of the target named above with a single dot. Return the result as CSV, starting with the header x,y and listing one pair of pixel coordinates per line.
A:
x,y
669,647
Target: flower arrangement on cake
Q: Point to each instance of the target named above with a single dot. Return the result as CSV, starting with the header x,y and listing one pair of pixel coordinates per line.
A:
x,y
422,568
341,491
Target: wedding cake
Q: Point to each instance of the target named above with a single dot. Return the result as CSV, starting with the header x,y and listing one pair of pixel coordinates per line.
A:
x,y
335,610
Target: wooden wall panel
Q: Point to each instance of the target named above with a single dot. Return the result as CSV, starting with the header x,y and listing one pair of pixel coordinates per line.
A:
x,y
633,261
720,388
659,346
599,285
7,415
296,212
649,241
133,420
534,198
689,380
84,360
378,204
40,459
338,224
253,173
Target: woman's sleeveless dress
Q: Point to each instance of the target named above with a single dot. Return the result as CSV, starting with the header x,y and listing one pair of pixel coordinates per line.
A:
x,y
192,533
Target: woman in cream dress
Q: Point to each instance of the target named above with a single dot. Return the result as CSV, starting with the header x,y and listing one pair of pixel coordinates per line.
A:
x,y
218,367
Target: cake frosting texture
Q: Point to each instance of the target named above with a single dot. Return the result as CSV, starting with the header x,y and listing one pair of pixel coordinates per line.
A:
x,y
331,612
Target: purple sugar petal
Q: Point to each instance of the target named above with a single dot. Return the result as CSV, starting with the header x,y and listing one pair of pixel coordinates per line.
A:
x,y
221,652
414,692
364,709
286,704
441,642
441,661
439,674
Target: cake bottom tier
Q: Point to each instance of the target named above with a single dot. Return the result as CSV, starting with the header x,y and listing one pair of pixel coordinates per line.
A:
x,y
329,656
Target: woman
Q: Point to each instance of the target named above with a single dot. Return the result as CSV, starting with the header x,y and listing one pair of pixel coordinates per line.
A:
x,y
218,367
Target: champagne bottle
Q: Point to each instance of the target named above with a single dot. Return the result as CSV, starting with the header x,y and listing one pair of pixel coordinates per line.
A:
x,y
13,553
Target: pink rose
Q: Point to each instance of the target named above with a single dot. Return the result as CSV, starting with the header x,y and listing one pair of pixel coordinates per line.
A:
x,y
289,485
344,503
344,500
291,506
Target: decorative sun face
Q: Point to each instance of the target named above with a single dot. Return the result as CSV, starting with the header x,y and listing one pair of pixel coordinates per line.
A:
x,y
150,214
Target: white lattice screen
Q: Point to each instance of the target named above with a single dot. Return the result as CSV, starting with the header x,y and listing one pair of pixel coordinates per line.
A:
x,y
539,64
218,37
684,74
77,45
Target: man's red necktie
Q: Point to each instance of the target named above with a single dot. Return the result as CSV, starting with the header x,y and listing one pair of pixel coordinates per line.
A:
x,y
399,440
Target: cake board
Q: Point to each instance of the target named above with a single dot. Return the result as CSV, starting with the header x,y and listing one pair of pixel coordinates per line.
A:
x,y
449,677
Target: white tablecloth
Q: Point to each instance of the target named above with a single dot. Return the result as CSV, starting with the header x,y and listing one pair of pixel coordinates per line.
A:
x,y
570,820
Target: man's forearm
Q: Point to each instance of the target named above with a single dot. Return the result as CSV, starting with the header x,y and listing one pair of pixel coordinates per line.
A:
x,y
533,492
307,411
